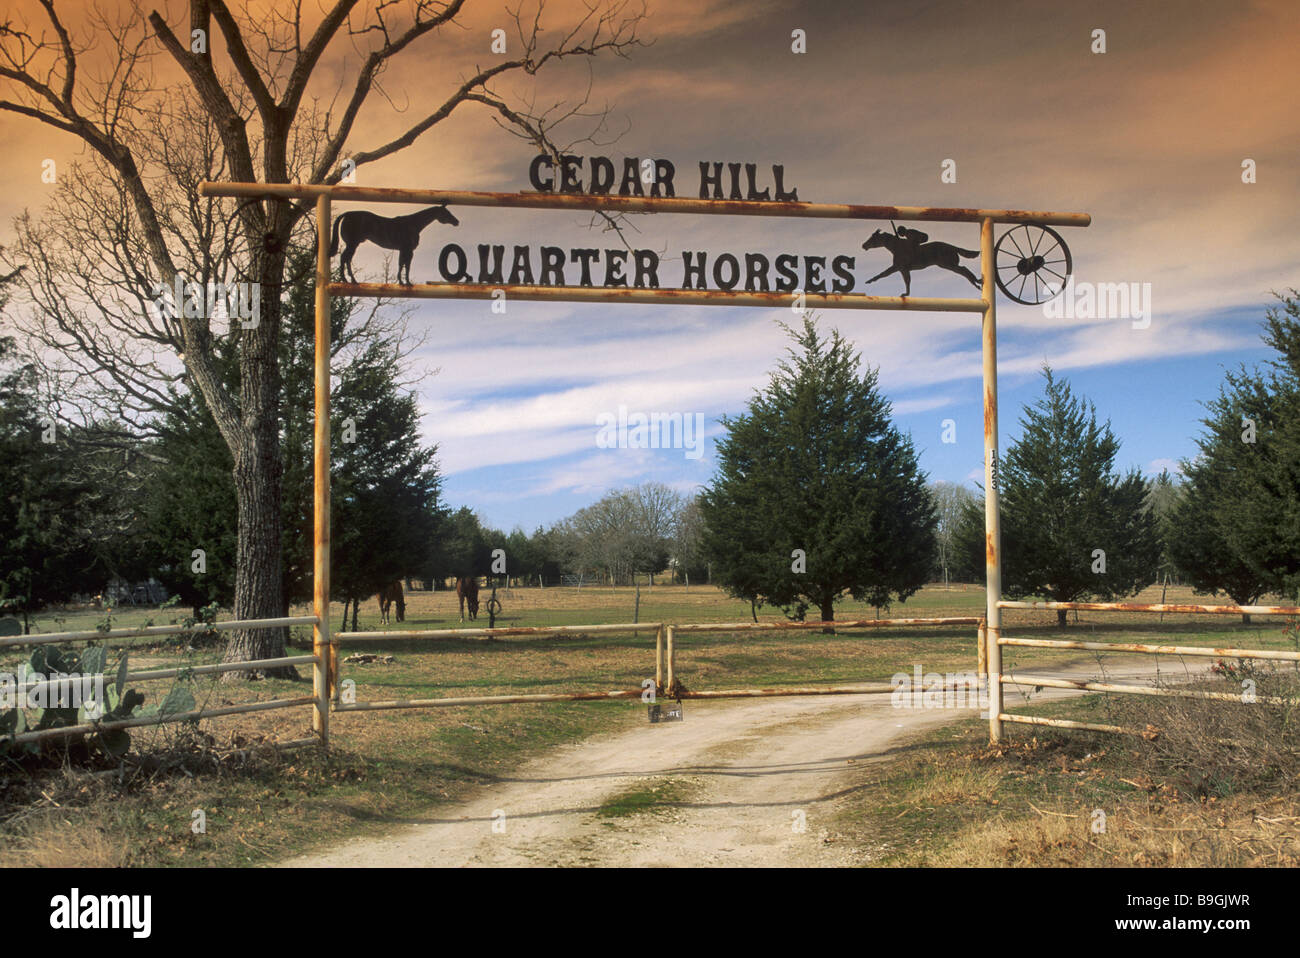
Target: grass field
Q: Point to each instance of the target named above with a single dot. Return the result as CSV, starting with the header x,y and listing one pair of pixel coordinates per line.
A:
x,y
392,763
1051,798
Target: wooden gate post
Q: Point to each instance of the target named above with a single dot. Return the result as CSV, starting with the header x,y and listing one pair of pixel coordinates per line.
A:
x,y
321,648
659,660
992,518
671,688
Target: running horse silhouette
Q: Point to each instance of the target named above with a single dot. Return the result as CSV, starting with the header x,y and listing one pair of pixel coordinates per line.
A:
x,y
912,251
401,233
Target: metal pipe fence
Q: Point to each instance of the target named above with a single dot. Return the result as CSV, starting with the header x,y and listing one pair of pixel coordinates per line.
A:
x,y
997,678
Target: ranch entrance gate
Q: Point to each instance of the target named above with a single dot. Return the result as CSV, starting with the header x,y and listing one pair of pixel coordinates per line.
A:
x,y
324,644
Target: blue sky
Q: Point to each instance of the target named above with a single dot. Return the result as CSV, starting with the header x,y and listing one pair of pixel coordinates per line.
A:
x,y
1152,404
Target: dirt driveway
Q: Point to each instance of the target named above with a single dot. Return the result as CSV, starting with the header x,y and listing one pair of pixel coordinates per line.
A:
x,y
758,782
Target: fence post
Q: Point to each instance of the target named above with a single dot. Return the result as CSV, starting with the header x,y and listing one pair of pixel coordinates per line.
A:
x,y
672,662
992,518
321,646
659,660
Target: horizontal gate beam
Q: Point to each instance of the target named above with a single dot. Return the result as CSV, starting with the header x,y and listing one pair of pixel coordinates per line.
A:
x,y
680,297
642,204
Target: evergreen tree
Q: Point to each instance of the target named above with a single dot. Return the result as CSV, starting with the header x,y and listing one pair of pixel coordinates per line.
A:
x,y
189,504
968,541
464,549
1238,529
45,548
816,465
1163,497
385,510
386,515
1062,501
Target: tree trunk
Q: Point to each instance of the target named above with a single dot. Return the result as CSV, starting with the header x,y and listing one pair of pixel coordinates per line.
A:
x,y
259,469
259,586
1245,618
828,614
1060,617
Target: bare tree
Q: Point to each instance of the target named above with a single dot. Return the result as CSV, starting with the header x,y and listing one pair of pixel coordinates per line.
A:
x,y
129,221
626,531
949,501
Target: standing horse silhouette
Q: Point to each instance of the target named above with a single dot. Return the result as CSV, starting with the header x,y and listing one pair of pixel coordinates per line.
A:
x,y
467,591
390,595
401,233
911,251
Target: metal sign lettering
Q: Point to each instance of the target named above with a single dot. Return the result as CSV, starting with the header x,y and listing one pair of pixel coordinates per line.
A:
x,y
1032,261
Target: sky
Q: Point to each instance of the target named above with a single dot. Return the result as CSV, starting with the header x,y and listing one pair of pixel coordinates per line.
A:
x,y
1149,137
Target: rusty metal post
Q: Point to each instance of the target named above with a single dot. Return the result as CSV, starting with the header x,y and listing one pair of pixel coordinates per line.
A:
x,y
981,652
672,662
659,660
992,517
321,482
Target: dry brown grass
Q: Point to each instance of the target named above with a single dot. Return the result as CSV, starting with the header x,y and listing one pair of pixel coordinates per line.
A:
x,y
955,802
1222,835
1219,749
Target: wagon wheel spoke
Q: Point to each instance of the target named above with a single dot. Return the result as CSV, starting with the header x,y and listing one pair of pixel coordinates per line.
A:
x,y
1012,236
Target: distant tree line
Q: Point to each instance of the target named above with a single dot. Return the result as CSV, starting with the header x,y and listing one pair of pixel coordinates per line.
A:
x,y
817,495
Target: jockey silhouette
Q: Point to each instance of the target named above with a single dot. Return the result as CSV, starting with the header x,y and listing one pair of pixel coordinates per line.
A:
x,y
914,239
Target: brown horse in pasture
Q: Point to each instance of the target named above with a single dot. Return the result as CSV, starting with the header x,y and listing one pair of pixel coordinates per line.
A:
x,y
389,596
467,591
401,233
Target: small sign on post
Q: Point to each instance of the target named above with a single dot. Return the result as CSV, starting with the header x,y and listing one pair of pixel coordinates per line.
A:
x,y
664,712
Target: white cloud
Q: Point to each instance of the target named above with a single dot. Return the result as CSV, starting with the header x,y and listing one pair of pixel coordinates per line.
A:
x,y
1156,466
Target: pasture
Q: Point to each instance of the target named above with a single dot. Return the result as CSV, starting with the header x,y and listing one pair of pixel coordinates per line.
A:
x,y
390,765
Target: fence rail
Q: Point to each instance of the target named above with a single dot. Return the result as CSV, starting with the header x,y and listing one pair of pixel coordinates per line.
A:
x,y
108,636
877,688
152,630
998,678
144,720
1205,650
665,682
537,631
795,626
1149,607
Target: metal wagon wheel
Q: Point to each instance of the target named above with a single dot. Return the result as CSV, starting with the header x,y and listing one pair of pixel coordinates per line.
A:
x,y
1031,263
